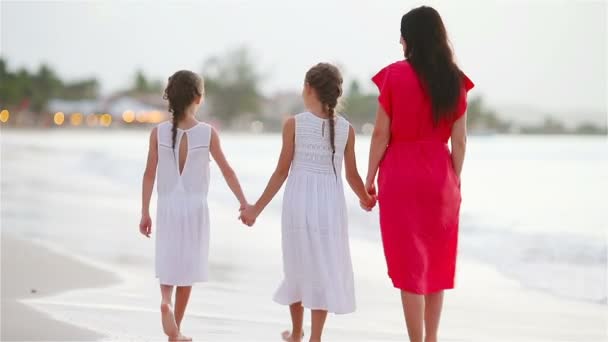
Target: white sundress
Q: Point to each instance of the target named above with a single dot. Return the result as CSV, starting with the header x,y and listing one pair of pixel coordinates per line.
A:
x,y
316,256
182,218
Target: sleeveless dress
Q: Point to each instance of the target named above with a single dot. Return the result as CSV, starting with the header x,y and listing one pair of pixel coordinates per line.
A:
x,y
182,221
316,255
418,190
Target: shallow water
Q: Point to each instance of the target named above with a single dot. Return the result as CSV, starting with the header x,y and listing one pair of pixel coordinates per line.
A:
x,y
532,210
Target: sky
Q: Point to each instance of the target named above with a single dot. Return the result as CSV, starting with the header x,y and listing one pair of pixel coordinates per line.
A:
x,y
549,55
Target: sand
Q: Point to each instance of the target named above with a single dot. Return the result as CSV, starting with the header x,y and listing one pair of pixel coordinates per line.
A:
x,y
32,271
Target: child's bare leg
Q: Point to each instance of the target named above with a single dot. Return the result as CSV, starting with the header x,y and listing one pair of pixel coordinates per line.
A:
x,y
413,310
318,321
297,317
167,317
182,294
432,313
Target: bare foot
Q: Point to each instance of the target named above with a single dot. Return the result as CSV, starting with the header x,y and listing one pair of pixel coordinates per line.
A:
x,y
287,336
179,337
168,320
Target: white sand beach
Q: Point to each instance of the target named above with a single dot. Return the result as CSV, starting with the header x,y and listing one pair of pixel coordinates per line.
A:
x,y
30,272
69,221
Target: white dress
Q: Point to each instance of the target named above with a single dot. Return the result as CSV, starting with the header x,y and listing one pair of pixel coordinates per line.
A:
x,y
316,256
182,219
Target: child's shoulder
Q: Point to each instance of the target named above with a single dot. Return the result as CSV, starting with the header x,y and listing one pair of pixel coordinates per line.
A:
x,y
341,120
163,125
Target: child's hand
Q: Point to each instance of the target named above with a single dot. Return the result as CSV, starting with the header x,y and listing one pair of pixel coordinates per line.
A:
x,y
248,215
145,225
368,203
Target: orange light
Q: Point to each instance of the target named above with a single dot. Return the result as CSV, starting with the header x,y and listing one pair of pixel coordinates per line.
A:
x,y
155,116
106,120
141,117
128,116
58,118
5,115
76,119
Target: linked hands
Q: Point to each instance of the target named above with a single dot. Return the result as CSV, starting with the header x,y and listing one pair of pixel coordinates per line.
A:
x,y
369,202
248,214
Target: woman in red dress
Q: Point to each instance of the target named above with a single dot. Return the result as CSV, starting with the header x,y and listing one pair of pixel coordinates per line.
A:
x,y
422,105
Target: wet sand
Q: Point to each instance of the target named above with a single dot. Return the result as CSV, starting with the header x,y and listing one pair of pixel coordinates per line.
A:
x,y
31,271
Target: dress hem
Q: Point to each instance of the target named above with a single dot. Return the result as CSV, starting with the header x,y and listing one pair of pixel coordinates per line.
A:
x,y
312,307
182,283
420,290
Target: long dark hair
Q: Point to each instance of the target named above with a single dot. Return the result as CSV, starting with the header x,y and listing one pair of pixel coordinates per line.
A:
x,y
326,80
183,87
428,51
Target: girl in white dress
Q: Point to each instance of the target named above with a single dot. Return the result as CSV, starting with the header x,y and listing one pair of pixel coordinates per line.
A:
x,y
179,158
317,267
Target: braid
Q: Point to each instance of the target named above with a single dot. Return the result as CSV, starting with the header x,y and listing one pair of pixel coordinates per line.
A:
x,y
175,121
182,88
326,80
332,135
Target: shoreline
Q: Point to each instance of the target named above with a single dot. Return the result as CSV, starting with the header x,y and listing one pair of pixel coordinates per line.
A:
x,y
31,271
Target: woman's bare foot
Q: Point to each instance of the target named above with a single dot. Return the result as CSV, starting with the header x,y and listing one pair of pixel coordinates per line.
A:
x,y
179,338
288,336
168,320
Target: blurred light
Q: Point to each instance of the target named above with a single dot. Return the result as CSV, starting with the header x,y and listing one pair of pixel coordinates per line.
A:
x,y
4,115
76,119
155,116
92,120
58,118
106,120
367,128
257,126
141,116
128,116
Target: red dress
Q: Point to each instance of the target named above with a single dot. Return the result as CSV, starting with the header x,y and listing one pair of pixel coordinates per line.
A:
x,y
418,191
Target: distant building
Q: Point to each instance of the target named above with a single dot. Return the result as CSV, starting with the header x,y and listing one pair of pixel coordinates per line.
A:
x,y
74,106
282,104
117,110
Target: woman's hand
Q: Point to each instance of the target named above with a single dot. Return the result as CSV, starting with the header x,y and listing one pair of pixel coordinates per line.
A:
x,y
145,225
248,215
368,203
370,186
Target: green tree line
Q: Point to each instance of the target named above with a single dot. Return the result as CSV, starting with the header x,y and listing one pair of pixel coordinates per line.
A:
x,y
233,90
34,89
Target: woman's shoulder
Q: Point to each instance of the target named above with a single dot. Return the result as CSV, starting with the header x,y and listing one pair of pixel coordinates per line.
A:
x,y
398,66
396,70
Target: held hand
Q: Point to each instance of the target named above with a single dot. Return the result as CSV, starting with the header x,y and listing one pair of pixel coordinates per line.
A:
x,y
370,187
368,203
145,225
248,215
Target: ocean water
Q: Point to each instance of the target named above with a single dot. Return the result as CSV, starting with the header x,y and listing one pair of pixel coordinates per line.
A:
x,y
533,209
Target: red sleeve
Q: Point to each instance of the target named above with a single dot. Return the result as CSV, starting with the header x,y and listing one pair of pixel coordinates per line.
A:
x,y
467,85
381,79
466,81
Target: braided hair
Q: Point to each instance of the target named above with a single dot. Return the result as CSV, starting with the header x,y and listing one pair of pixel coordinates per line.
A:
x,y
326,80
183,87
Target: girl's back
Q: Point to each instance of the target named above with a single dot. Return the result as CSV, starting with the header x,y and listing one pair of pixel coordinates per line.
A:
x,y
316,253
178,161
193,179
313,153
182,240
